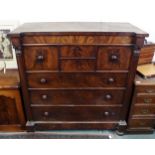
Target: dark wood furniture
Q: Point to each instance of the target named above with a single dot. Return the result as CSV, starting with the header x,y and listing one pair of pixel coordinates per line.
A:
x,y
11,109
77,75
142,113
146,53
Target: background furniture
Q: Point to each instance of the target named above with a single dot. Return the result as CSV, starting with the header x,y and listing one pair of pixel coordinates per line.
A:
x,y
146,53
11,110
142,113
77,75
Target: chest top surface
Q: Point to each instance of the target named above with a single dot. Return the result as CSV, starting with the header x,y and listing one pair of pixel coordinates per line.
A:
x,y
79,27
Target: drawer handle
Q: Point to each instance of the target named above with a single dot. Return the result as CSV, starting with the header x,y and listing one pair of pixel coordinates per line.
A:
x,y
44,97
106,113
149,91
40,58
111,80
43,80
147,100
145,111
46,113
114,58
108,97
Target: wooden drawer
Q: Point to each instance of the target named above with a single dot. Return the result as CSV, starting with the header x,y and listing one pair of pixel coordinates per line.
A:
x,y
78,113
41,58
141,122
77,97
114,58
145,99
146,89
143,110
78,52
70,80
78,65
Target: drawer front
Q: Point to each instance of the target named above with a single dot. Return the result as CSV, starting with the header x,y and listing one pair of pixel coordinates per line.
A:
x,y
72,113
77,97
78,65
77,39
144,110
78,51
41,58
141,122
72,80
146,89
145,99
114,58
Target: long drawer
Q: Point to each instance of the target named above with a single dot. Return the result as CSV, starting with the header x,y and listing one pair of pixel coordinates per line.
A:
x,y
78,113
77,97
69,80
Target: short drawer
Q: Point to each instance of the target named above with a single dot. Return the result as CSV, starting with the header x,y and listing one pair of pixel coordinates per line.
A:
x,y
77,97
141,122
145,89
78,52
41,58
145,99
72,80
143,110
78,65
114,58
78,113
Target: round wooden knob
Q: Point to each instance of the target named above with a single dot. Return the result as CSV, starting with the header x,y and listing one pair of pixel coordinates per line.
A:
x,y
106,113
44,97
40,57
43,80
108,97
111,80
114,57
46,113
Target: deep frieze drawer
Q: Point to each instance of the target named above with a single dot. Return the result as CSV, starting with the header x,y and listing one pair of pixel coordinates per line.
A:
x,y
77,97
72,80
72,113
79,40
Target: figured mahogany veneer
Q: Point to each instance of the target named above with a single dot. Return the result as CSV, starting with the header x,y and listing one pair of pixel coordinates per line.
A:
x,y
77,75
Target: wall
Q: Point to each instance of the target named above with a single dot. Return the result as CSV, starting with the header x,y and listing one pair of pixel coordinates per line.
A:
x,y
137,12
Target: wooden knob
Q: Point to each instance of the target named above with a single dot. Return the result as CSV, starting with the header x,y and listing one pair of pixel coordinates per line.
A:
x,y
111,80
46,113
44,97
43,80
114,57
106,113
108,97
40,57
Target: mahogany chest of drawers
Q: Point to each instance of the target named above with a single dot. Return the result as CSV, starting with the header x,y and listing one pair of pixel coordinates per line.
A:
x,y
142,113
77,75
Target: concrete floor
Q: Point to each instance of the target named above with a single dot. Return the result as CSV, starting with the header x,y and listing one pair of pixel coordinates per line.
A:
x,y
74,135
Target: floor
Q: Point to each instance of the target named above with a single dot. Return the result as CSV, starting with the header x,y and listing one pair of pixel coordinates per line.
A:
x,y
73,135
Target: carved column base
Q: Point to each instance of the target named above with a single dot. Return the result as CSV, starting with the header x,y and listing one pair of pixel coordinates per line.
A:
x,y
30,126
121,129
